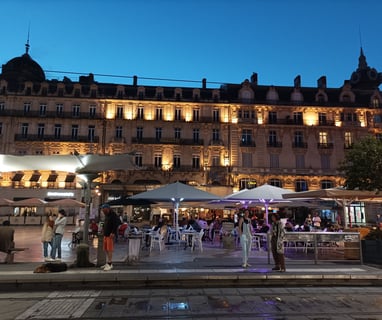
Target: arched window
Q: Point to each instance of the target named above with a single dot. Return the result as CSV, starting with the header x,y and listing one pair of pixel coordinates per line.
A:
x,y
326,184
301,185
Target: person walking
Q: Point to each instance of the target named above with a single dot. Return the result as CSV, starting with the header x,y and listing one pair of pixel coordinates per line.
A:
x,y
245,233
47,236
59,229
109,233
277,243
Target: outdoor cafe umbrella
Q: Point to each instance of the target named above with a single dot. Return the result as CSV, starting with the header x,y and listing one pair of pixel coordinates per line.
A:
x,y
265,195
30,202
5,202
176,193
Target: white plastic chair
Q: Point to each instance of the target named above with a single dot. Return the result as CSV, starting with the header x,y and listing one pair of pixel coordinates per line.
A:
x,y
158,237
256,242
197,239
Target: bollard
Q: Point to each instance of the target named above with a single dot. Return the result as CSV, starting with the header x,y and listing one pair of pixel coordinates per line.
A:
x,y
101,256
83,256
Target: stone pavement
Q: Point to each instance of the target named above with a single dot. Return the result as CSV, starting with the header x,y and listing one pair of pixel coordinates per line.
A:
x,y
176,267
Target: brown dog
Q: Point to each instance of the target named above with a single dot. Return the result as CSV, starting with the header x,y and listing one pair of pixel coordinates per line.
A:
x,y
51,267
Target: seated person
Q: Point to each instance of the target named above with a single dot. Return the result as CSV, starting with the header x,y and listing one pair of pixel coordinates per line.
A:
x,y
263,227
193,225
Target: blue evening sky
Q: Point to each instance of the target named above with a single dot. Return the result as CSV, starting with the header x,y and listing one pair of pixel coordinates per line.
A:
x,y
221,40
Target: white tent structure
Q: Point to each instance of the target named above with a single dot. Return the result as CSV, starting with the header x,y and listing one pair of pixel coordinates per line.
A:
x,y
176,193
87,167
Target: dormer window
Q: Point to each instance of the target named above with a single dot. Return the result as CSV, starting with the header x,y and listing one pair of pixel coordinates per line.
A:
x,y
375,103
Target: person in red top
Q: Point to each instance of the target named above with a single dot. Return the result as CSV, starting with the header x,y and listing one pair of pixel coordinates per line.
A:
x,y
109,233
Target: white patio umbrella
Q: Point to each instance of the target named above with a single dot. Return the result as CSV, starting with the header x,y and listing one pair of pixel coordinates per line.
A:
x,y
30,202
176,193
5,202
265,195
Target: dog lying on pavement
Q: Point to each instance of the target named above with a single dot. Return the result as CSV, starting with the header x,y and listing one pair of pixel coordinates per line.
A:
x,y
51,267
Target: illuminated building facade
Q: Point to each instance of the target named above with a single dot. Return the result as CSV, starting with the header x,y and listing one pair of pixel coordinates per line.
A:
x,y
225,139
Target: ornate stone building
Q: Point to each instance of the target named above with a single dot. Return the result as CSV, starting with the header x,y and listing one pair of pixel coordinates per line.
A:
x,y
224,139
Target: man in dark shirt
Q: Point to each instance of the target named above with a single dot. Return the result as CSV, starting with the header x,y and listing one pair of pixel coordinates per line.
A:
x,y
109,232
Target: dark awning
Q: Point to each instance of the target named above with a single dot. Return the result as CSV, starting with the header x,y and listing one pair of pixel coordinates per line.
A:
x,y
18,176
35,177
70,178
52,177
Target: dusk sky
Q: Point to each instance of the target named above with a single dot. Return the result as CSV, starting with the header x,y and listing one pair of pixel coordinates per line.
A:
x,y
221,40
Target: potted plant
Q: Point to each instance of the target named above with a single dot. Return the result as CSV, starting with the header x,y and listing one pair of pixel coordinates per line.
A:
x,y
372,246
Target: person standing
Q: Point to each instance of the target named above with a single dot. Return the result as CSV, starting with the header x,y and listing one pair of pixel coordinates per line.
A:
x,y
109,232
59,229
245,233
277,243
47,236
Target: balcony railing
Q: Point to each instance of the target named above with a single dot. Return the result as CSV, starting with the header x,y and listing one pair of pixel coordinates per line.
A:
x,y
51,114
189,142
61,138
274,144
301,145
247,144
328,145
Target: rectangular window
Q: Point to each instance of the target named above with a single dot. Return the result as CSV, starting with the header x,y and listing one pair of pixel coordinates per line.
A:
x,y
91,133
176,161
40,130
24,130
195,162
1,128
325,161
140,113
195,114
76,110
216,115
272,117
2,106
216,161
322,118
298,139
215,135
272,138
119,112
195,135
246,160
158,160
159,113
74,131
274,161
27,107
139,133
178,114
323,137
92,110
348,139
43,110
246,137
138,160
57,131
118,132
177,133
300,161
297,117
158,134
59,109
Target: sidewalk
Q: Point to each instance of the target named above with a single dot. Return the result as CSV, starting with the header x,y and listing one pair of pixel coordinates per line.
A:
x,y
175,267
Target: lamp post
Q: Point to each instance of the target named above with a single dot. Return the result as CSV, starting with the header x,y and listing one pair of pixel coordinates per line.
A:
x,y
87,179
